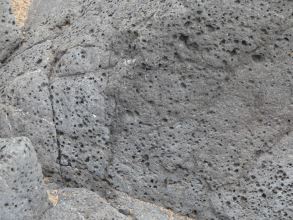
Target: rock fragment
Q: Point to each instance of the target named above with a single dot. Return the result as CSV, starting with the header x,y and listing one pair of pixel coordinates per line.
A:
x,y
22,192
79,204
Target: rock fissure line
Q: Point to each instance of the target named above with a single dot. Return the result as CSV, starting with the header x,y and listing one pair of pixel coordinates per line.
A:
x,y
11,54
184,104
59,157
54,116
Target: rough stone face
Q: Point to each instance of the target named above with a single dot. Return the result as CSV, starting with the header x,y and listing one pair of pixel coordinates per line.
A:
x,y
77,203
26,111
182,103
22,192
25,104
140,210
9,32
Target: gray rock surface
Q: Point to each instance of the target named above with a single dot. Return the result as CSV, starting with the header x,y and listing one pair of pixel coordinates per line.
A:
x,y
185,104
22,192
26,111
140,210
9,32
79,204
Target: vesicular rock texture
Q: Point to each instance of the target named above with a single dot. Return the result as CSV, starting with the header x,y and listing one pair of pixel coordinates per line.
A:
x,y
82,204
183,103
10,34
22,191
78,204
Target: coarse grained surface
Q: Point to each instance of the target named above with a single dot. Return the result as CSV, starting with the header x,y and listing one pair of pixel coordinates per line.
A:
x,y
79,204
9,32
183,103
22,192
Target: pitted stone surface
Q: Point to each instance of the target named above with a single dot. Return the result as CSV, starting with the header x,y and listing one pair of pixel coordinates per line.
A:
x,y
22,192
26,111
79,204
141,210
9,32
186,104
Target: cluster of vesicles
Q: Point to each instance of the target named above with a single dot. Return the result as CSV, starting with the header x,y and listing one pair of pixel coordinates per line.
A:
x,y
186,104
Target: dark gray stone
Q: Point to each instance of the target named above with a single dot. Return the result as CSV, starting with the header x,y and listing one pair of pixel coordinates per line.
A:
x,y
26,111
79,204
9,32
141,210
22,192
186,104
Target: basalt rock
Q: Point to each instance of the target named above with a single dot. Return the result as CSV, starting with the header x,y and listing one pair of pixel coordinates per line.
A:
x,y
77,203
9,32
22,192
185,104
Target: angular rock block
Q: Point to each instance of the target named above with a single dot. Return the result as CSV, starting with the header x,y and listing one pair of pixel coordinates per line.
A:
x,y
141,210
25,110
78,204
22,192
